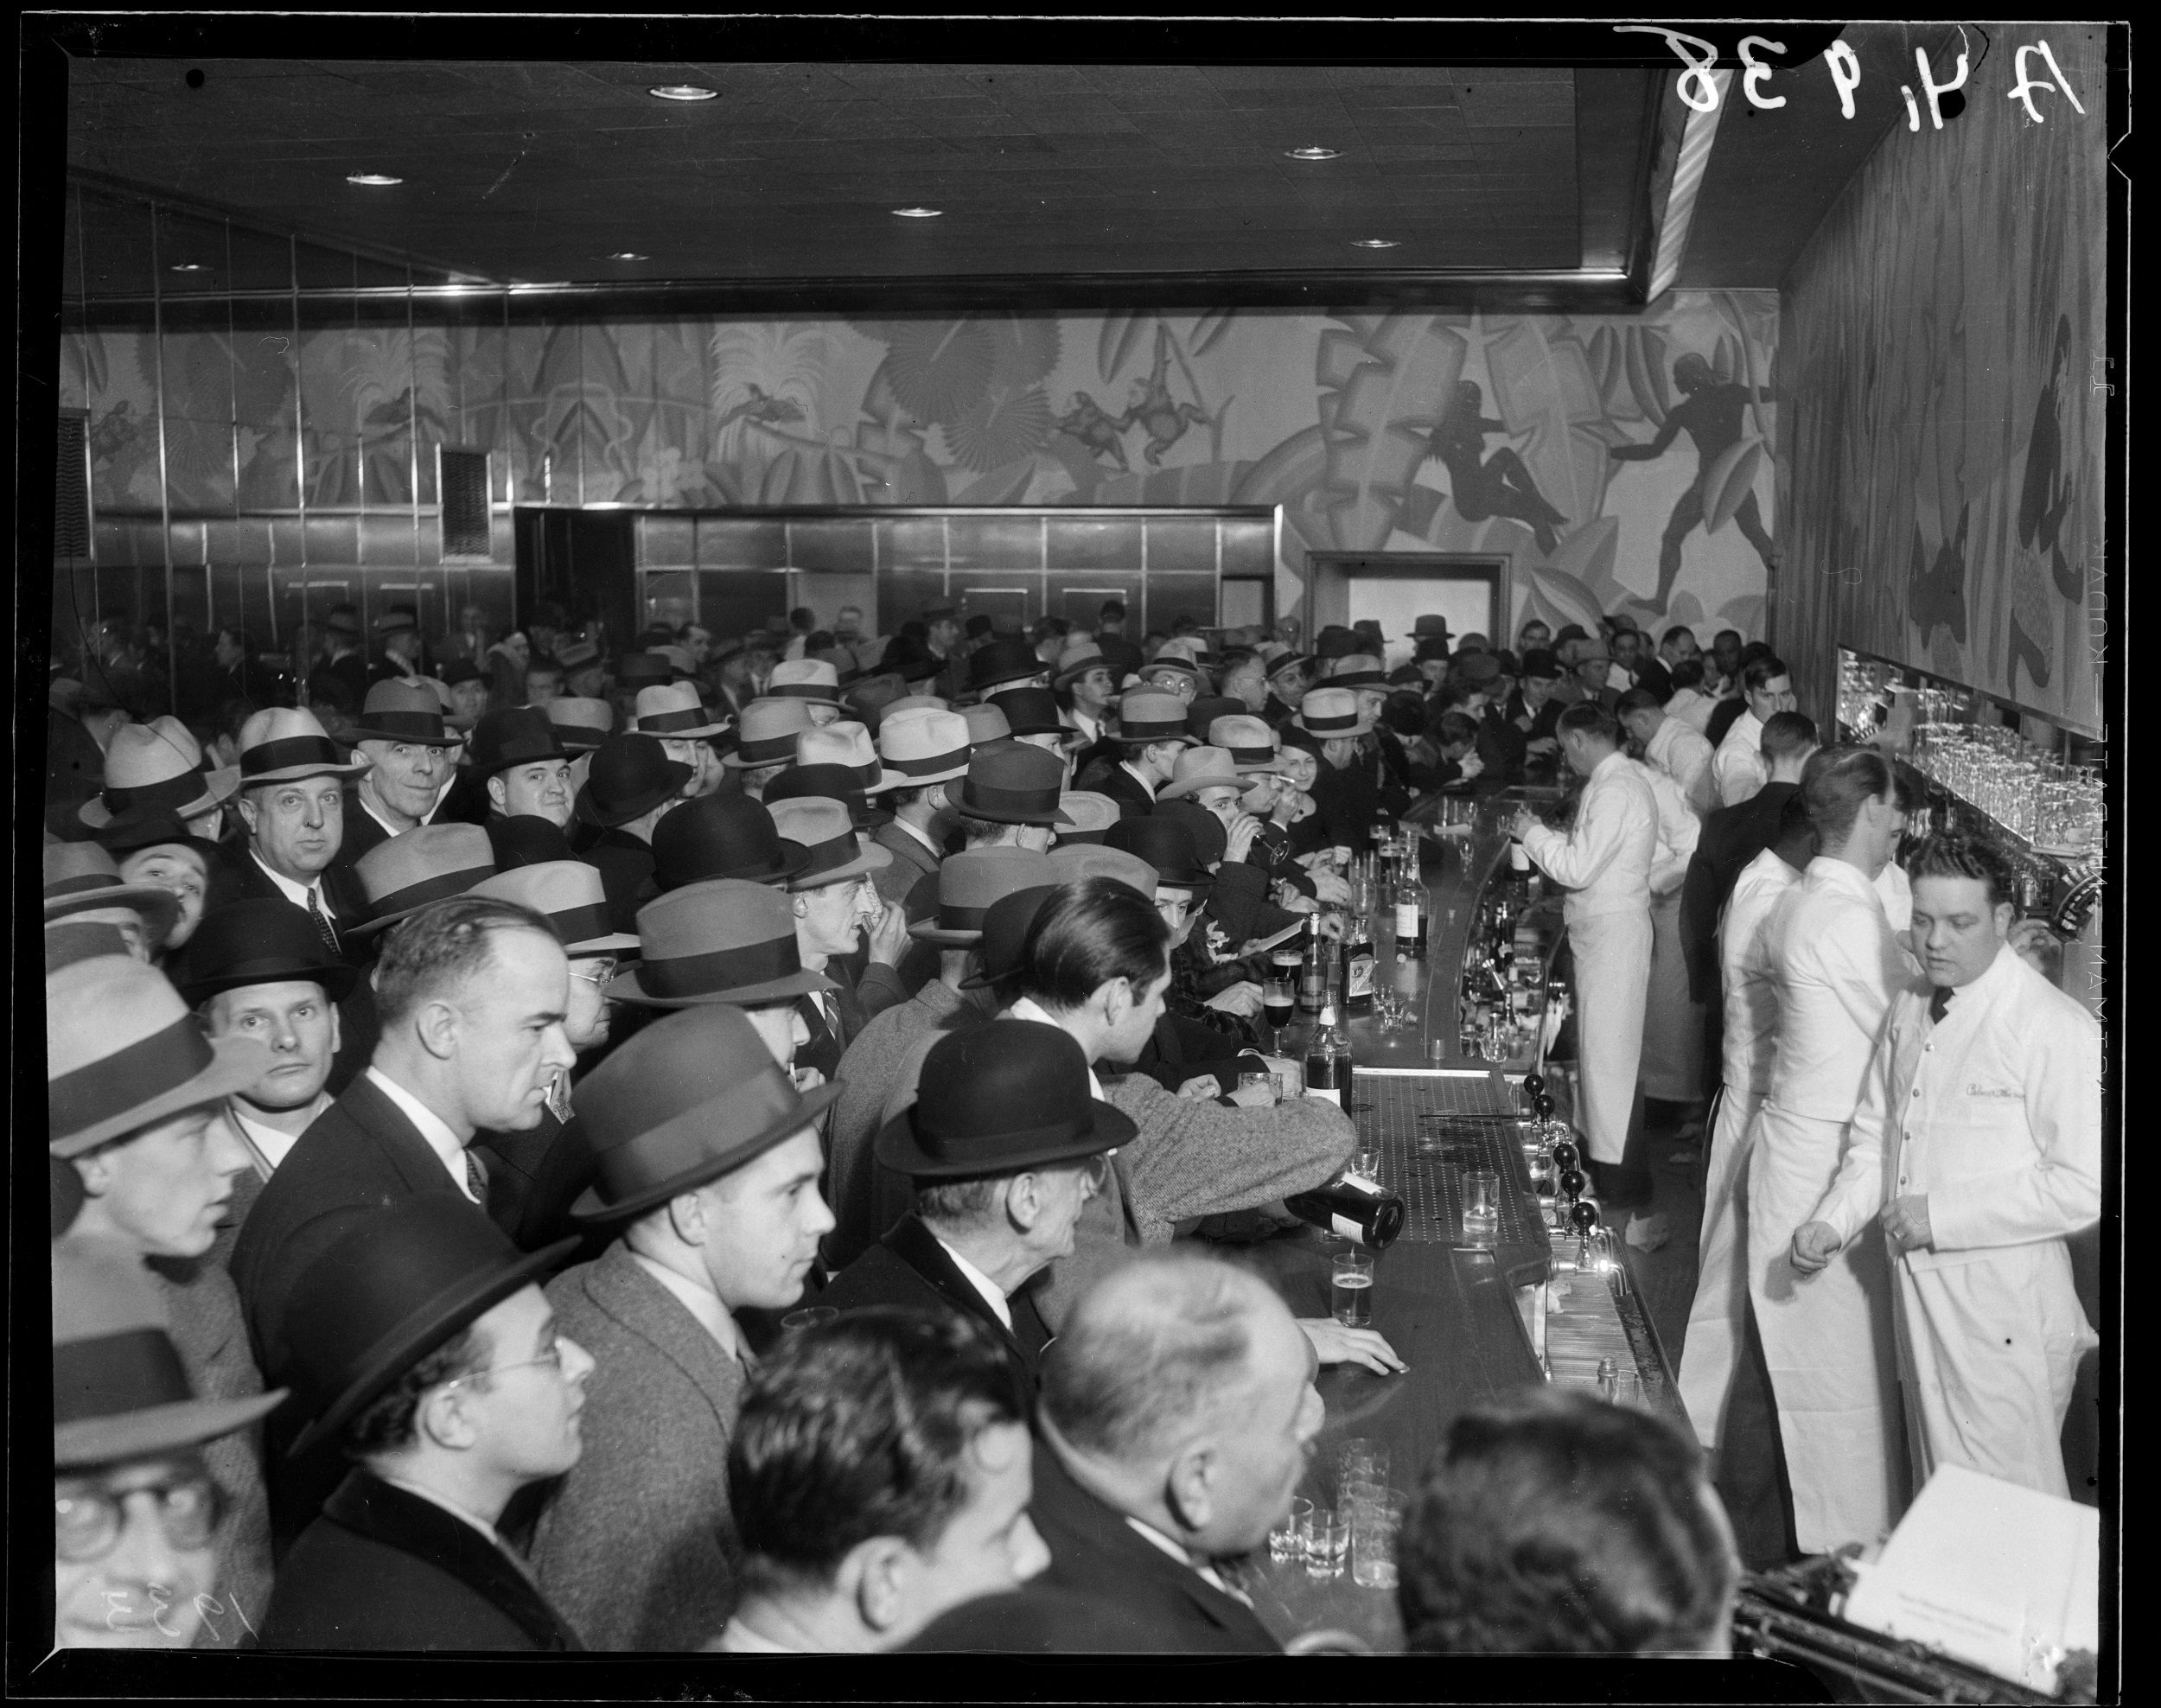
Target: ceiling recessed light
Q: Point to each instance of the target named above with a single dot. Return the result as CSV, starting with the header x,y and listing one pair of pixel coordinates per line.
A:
x,y
1373,243
1313,154
189,267
373,181
918,212
628,255
683,91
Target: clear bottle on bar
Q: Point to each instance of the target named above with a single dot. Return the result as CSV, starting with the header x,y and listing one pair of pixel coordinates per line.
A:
x,y
1351,1207
1327,1059
1313,973
1411,919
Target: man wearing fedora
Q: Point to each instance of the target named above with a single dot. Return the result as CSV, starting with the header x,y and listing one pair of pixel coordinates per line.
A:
x,y
133,1091
84,888
1005,663
157,770
160,850
1088,692
815,682
861,1524
1033,719
520,766
292,804
920,757
140,1524
633,784
706,1165
344,659
674,715
1152,732
1004,1145
402,736
398,630
427,1353
1345,794
883,1060
838,910
765,741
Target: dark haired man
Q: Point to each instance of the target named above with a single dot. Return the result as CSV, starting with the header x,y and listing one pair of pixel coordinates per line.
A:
x,y
1984,1093
1555,1488
1123,656
862,1523
1738,768
1689,702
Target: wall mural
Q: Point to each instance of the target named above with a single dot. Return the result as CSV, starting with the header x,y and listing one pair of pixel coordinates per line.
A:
x,y
1946,346
1624,462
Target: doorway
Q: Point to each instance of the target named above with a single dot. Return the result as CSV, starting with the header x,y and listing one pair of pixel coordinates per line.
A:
x,y
1394,589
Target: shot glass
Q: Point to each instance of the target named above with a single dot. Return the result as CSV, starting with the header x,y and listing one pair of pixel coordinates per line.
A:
x,y
808,1318
1327,1540
1366,1162
1376,1524
1481,1206
1621,1387
1287,1540
1436,1052
1361,1460
1351,1289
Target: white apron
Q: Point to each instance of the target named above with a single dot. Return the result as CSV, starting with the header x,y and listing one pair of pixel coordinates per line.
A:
x,y
1613,978
1672,1025
1827,1342
1711,1352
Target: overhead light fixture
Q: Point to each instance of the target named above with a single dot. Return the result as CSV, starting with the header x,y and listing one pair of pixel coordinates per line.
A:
x,y
683,91
373,181
918,212
628,255
1373,243
189,267
1313,154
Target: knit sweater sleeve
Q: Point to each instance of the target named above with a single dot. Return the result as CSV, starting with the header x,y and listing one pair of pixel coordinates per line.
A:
x,y
1193,1158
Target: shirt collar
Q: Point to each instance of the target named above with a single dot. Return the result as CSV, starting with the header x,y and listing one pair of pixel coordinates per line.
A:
x,y
1208,1573
982,1283
1825,869
268,1144
1026,1008
1140,777
446,1144
919,836
297,893
368,807
455,1511
1615,760
702,1303
737,1638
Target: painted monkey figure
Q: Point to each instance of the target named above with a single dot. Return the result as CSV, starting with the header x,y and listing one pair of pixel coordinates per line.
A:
x,y
1151,405
761,407
1710,412
1100,432
1479,486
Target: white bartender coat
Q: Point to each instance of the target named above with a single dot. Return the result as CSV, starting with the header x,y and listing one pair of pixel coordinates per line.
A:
x,y
1828,1337
1738,768
1679,750
1749,980
1604,865
1994,1114
1673,1024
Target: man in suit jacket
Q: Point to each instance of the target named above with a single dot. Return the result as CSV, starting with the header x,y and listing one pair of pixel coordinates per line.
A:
x,y
632,785
1152,732
1143,1503
833,898
426,1349
919,756
1004,1143
707,1160
1731,838
402,736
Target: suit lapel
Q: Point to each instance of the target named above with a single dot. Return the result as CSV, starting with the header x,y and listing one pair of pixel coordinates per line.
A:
x,y
643,1306
915,1246
371,1508
395,1135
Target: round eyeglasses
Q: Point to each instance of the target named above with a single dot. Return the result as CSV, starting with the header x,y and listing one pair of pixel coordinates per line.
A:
x,y
88,1519
553,1359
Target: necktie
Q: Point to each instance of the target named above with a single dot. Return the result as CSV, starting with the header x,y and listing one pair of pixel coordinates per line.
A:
x,y
320,921
476,1178
1938,1003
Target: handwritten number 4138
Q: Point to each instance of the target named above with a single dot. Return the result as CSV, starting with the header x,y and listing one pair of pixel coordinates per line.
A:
x,y
1700,91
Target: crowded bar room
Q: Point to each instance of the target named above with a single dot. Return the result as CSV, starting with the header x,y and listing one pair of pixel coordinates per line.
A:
x,y
1154,841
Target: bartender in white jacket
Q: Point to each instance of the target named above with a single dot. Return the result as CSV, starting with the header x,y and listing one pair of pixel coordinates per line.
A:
x,y
1604,863
1826,1336
1738,769
1978,1140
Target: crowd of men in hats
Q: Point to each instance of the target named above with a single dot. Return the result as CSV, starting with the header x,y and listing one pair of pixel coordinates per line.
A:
x,y
459,1075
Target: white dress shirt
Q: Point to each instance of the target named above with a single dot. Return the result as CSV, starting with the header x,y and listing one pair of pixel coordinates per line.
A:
x,y
1837,968
983,1284
1678,829
737,1638
269,1145
434,1128
297,893
1086,725
1749,976
1738,768
1683,755
1604,862
1026,1008
1692,708
703,1302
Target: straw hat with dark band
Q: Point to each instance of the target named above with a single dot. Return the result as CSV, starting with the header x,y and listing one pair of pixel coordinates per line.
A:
x,y
425,864
766,733
932,748
283,746
1332,712
570,895
157,768
403,711
969,882
675,713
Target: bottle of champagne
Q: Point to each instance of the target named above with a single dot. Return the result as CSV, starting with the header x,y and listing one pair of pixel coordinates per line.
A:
x,y
1327,1061
1351,1207
1411,919
1358,968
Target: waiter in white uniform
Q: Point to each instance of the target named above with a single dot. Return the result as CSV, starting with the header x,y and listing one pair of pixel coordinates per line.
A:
x,y
1826,1336
1605,864
1749,980
1984,1097
1738,769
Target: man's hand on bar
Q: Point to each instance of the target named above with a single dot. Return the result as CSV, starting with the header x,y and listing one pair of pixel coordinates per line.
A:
x,y
1334,1344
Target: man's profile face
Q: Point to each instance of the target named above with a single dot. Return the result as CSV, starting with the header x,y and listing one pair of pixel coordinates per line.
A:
x,y
763,1222
510,1041
1626,644
1265,1436
1131,1036
296,827
989,1546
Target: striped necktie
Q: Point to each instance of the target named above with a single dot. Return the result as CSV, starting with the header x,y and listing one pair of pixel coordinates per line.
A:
x,y
320,921
476,1179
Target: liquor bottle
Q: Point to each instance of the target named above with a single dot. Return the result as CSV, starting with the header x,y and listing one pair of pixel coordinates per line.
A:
x,y
1327,1060
1411,919
1358,968
1351,1207
1519,860
1313,974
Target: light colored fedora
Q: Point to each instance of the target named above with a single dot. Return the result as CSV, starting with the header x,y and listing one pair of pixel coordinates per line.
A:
x,y
930,747
157,768
421,865
967,884
723,941
581,724
837,853
571,893
986,722
1078,860
280,745
810,679
848,745
1249,742
1331,712
1199,768
673,711
767,733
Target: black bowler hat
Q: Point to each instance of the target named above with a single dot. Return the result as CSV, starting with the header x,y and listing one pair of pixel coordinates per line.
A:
x,y
723,836
630,775
689,1098
914,662
833,782
999,1099
1206,710
526,839
519,735
256,942
1167,843
1003,661
394,1283
1010,783
1005,927
130,833
643,670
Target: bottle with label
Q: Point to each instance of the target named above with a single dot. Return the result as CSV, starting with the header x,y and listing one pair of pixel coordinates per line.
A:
x,y
1313,974
1351,1207
1358,966
1411,921
1327,1060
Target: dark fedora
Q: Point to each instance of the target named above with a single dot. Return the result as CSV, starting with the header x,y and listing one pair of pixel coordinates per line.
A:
x,y
119,1390
970,883
395,1282
518,735
525,839
1010,783
687,1100
1476,669
1166,843
256,942
831,782
912,661
630,775
1033,711
643,670
424,865
398,619
1005,927
1210,841
132,831
1001,662
723,941
1206,710
997,1100
402,712
460,670
723,836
